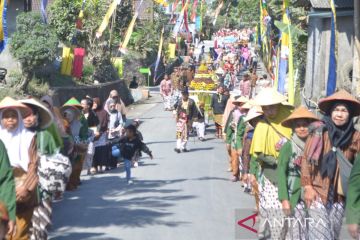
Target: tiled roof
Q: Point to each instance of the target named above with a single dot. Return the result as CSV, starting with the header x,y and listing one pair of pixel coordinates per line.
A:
x,y
338,3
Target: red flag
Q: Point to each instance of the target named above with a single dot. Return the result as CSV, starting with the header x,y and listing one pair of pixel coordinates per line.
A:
x,y
193,14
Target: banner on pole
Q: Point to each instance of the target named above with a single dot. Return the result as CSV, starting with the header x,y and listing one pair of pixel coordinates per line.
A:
x,y
130,29
105,21
3,28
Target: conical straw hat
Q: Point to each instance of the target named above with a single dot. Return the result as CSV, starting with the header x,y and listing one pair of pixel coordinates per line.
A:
x,y
73,102
326,104
240,100
45,115
269,96
9,102
299,113
249,104
254,112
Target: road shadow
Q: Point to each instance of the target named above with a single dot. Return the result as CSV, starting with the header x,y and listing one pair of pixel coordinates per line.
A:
x,y
108,200
81,236
201,149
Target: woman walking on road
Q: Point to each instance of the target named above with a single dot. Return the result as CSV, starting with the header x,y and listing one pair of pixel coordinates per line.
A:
x,y
269,137
329,154
289,171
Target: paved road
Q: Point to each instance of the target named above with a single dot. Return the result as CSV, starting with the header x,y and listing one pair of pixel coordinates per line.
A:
x,y
174,196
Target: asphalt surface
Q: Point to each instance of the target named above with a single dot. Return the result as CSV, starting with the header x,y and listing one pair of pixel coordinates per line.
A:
x,y
174,196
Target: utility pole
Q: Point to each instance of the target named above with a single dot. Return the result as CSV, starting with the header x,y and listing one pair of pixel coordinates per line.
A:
x,y
356,65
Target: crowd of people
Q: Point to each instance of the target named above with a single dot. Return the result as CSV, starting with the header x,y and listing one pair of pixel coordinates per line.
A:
x,y
298,164
44,149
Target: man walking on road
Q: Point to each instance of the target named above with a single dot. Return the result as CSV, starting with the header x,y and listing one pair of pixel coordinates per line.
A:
x,y
218,104
185,111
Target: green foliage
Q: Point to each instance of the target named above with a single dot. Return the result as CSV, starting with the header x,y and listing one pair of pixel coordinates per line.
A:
x,y
62,18
33,43
37,88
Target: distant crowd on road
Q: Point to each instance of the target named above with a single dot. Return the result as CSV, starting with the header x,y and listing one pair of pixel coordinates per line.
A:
x,y
43,150
298,164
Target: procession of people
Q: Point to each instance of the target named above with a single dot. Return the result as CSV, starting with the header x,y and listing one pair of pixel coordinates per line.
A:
x,y
297,163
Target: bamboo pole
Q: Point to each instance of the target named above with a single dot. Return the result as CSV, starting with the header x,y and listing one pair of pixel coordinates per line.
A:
x,y
356,65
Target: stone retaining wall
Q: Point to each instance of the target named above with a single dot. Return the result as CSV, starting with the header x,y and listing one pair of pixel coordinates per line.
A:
x,y
62,94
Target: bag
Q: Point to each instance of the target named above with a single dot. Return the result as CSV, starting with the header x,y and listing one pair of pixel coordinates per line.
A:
x,y
54,172
345,167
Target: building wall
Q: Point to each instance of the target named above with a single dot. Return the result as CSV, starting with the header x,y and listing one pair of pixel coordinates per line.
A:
x,y
318,53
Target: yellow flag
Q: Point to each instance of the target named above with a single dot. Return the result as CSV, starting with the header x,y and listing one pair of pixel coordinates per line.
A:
x,y
287,44
118,64
128,33
106,19
172,50
67,61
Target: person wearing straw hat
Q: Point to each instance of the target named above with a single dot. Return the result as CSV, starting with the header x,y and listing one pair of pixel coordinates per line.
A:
x,y
38,121
289,172
269,136
56,128
79,133
20,146
251,119
331,149
234,130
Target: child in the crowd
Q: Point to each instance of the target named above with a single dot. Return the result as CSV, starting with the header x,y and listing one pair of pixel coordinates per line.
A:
x,y
199,123
139,135
116,122
181,132
129,145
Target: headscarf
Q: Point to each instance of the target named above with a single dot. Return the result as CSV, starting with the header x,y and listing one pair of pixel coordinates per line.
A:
x,y
120,106
265,137
17,143
339,137
75,124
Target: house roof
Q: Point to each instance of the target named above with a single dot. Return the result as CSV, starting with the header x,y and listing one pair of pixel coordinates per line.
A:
x,y
324,4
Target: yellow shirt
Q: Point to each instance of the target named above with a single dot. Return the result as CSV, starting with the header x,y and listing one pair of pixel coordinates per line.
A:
x,y
265,137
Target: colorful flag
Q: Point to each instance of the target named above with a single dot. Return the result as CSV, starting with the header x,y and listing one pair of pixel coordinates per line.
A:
x,y
118,65
172,50
286,64
331,82
194,10
78,63
159,53
105,21
179,20
3,28
67,61
130,29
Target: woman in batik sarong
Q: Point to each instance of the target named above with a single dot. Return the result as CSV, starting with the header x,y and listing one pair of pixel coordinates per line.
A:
x,y
331,146
289,170
269,137
38,121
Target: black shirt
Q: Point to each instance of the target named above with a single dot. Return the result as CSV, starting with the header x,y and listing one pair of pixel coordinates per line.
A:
x,y
128,147
218,103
